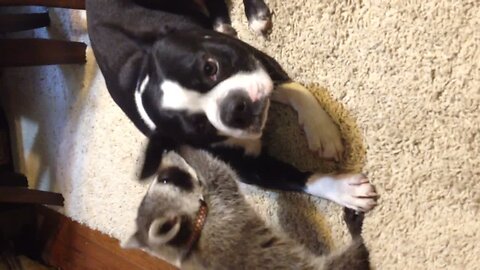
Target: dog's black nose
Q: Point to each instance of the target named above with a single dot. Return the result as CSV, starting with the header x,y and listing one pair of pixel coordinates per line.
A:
x,y
237,110
240,106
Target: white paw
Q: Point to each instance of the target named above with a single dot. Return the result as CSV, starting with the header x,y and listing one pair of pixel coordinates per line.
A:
x,y
356,192
261,24
353,191
323,135
225,29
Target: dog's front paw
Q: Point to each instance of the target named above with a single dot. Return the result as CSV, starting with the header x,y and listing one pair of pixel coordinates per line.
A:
x,y
322,134
261,23
356,192
350,190
226,28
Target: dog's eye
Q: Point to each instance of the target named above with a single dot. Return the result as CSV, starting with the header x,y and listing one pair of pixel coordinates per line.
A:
x,y
210,69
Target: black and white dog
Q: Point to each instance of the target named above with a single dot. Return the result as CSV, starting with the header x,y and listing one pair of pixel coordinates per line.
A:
x,y
181,82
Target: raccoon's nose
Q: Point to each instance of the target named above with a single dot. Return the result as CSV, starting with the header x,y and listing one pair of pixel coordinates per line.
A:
x,y
237,110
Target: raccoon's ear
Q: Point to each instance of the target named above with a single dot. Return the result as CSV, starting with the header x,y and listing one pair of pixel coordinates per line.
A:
x,y
132,243
163,229
156,146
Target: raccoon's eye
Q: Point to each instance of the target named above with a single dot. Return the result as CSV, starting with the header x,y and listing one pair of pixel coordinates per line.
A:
x,y
167,226
164,180
177,177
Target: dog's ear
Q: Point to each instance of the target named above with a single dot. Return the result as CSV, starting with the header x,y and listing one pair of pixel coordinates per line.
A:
x,y
157,145
274,69
152,159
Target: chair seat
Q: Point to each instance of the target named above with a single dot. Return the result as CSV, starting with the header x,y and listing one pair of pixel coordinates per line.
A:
x,y
34,52
72,4
25,195
21,22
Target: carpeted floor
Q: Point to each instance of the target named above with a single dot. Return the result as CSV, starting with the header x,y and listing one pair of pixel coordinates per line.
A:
x,y
402,78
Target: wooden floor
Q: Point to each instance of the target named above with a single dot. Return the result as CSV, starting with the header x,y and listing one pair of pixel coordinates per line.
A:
x,y
69,245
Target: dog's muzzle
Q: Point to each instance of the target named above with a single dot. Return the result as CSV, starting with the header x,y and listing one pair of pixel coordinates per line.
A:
x,y
239,111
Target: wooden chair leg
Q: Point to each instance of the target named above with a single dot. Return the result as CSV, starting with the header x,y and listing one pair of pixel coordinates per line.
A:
x,y
21,22
35,52
73,4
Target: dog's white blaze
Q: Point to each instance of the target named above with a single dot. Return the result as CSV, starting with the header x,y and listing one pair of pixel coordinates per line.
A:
x,y
257,84
139,104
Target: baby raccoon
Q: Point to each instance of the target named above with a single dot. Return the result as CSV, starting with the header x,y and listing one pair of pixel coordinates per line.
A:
x,y
194,216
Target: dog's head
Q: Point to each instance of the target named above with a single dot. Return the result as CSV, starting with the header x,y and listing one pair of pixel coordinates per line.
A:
x,y
211,74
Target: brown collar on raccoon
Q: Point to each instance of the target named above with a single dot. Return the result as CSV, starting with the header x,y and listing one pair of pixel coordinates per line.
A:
x,y
197,227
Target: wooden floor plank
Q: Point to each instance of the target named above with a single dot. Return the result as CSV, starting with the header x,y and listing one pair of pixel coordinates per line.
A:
x,y
71,245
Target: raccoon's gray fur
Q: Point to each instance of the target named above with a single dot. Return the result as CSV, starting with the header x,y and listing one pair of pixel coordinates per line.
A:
x,y
233,236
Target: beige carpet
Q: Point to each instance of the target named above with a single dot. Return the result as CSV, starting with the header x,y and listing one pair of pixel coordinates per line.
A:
x,y
402,78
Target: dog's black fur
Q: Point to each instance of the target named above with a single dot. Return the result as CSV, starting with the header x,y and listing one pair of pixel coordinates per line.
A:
x,y
124,34
122,49
135,39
